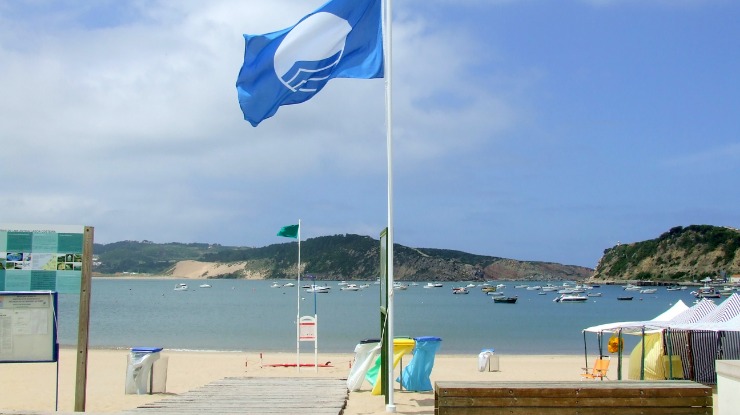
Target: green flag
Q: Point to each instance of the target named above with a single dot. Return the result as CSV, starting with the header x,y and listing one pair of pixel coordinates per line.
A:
x,y
290,231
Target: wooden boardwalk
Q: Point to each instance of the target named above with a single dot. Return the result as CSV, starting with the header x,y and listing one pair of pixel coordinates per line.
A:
x,y
256,395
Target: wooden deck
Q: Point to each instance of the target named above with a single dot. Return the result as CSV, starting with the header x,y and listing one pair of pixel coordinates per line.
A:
x,y
573,398
257,395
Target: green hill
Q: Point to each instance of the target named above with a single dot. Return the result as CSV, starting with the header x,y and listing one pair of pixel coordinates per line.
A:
x,y
338,257
681,254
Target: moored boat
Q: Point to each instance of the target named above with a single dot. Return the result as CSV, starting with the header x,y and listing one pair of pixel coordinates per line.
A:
x,y
460,290
505,300
318,289
181,287
571,298
400,286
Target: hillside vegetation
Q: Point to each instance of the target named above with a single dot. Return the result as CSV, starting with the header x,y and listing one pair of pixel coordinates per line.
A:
x,y
338,257
681,254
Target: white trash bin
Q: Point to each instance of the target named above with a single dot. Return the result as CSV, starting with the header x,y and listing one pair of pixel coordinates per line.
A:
x,y
146,371
487,359
366,352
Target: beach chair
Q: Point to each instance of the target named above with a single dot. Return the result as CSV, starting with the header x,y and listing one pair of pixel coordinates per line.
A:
x,y
601,366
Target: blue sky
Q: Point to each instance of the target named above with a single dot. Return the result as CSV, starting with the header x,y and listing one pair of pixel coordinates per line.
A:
x,y
524,129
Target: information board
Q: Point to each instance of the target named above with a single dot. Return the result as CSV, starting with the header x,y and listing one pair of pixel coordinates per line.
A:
x,y
27,327
41,258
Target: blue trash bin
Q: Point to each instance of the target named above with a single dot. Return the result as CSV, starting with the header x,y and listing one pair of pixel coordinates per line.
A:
x,y
415,376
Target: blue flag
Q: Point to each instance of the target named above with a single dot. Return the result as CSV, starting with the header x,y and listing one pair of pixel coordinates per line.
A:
x,y
342,39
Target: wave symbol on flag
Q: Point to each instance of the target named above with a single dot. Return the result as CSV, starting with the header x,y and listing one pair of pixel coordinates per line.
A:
x,y
310,52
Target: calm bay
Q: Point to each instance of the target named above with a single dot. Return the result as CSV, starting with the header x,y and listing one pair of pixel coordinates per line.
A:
x,y
242,315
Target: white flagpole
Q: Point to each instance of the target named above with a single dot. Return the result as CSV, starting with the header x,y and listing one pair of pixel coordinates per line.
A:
x,y
298,306
387,67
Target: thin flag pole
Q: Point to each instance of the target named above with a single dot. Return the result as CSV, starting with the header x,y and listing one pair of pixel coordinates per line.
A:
x,y
298,306
387,67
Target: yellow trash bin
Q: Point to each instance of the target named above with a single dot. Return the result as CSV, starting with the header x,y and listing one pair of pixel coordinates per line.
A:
x,y
401,346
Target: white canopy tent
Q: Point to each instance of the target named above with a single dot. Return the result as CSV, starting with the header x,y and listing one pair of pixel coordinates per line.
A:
x,y
692,336
702,342
732,324
677,309
678,313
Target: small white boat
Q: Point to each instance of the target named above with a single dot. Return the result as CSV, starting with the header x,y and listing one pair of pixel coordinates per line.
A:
x,y
549,287
571,298
433,285
648,291
350,287
276,285
400,286
726,291
460,290
205,286
534,288
318,289
593,295
363,286
288,284
181,287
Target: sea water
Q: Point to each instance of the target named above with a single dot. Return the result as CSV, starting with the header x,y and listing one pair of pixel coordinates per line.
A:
x,y
250,315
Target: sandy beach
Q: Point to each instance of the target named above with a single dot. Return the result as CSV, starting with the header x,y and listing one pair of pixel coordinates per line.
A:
x,y
31,387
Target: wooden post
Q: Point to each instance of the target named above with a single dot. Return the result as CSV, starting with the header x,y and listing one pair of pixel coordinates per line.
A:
x,y
83,329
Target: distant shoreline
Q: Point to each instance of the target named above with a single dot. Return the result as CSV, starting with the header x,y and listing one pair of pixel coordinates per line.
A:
x,y
129,276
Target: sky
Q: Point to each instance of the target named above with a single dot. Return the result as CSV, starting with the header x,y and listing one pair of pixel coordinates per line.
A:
x,y
535,130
